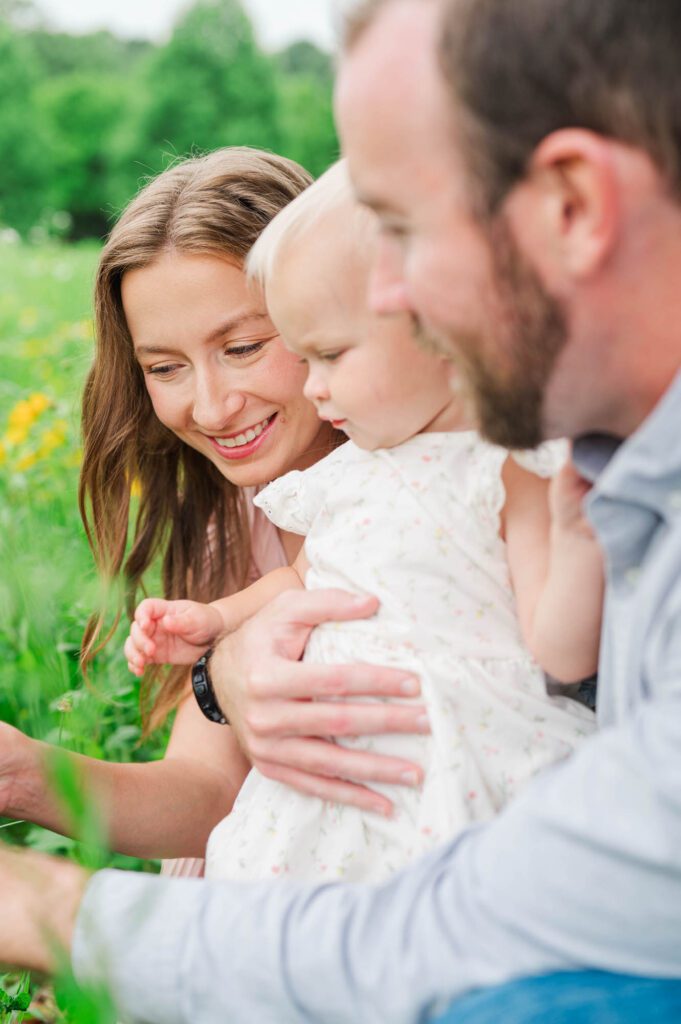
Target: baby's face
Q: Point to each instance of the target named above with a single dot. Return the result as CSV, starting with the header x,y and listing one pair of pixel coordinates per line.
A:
x,y
366,374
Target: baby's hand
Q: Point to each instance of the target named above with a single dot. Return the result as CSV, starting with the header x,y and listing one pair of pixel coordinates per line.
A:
x,y
566,500
170,633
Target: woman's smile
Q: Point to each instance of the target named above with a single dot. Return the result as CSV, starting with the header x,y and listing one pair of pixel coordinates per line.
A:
x,y
243,443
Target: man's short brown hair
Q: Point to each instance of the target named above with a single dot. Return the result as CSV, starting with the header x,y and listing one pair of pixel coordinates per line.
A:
x,y
520,70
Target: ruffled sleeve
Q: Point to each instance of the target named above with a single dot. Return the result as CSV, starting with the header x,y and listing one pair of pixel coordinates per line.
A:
x,y
489,493
546,460
294,500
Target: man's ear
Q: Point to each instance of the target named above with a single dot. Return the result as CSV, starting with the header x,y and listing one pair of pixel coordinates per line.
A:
x,y
565,212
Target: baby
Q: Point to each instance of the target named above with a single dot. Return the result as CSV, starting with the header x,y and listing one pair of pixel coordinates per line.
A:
x,y
480,583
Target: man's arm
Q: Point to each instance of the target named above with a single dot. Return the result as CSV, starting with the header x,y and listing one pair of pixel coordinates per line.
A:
x,y
583,869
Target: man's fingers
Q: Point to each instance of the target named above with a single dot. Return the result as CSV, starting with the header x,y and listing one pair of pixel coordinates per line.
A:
x,y
307,680
312,607
319,718
333,790
320,757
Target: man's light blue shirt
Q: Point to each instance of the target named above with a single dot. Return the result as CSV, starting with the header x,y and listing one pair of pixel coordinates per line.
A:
x,y
582,870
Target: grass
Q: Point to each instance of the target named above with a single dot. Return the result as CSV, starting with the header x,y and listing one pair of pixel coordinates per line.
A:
x,y
48,585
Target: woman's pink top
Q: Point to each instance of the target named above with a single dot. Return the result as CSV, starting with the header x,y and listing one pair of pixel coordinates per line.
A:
x,y
267,554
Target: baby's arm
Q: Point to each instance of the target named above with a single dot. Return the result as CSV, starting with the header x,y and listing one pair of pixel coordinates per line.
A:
x,y
178,632
556,569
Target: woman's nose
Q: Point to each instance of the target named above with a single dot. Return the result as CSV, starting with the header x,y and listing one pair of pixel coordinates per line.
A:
x,y
387,292
215,404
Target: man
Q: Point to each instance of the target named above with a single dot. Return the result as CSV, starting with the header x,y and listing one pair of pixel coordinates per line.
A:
x,y
525,161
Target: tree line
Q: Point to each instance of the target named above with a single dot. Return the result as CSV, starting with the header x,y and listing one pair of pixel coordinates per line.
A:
x,y
85,120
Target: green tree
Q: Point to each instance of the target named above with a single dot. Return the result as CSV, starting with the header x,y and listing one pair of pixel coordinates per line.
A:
x,y
305,86
23,167
306,119
84,113
59,53
210,85
304,58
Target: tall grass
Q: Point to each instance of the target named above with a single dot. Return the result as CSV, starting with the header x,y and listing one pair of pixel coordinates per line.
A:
x,y
48,585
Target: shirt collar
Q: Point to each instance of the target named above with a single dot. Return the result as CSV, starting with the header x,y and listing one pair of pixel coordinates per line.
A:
x,y
646,468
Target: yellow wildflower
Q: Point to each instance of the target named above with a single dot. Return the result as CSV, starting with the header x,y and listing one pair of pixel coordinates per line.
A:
x,y
3,453
28,318
51,439
38,403
25,412
16,435
26,461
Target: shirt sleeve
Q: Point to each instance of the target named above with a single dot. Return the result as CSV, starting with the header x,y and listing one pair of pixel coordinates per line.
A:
x,y
293,501
583,869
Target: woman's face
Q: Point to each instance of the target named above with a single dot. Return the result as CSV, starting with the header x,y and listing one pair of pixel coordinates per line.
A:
x,y
216,371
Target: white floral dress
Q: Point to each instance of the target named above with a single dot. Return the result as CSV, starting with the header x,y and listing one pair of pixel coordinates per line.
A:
x,y
418,526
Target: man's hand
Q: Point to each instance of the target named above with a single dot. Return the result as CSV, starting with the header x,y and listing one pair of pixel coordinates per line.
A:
x,y
40,897
273,702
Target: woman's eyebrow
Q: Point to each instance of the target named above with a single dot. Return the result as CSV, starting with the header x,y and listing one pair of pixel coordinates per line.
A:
x,y
235,323
226,327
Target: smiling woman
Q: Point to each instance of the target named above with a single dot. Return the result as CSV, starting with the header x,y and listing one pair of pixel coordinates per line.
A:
x,y
217,374
191,404
191,393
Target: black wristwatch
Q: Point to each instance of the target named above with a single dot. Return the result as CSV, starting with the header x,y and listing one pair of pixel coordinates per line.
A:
x,y
204,692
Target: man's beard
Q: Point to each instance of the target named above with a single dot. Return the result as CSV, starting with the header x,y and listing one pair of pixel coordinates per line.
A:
x,y
505,376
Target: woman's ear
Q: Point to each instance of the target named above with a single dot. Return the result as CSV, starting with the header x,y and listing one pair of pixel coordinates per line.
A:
x,y
565,212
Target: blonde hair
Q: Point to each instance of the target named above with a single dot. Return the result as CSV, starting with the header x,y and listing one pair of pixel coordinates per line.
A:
x,y
331,193
187,511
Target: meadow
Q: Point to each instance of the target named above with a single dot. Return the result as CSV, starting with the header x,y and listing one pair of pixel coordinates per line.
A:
x,y
48,585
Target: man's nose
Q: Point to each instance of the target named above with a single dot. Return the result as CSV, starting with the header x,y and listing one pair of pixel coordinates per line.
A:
x,y
387,292
215,404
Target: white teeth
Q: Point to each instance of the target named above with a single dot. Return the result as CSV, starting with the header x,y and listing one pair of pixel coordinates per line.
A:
x,y
242,439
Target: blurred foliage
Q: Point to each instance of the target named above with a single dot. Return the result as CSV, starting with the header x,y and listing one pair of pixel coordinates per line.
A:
x,y
86,119
211,77
48,584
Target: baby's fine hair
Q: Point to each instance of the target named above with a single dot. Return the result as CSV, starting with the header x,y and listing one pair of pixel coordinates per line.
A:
x,y
329,194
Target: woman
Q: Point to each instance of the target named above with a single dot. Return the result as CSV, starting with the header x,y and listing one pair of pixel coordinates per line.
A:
x,y
193,398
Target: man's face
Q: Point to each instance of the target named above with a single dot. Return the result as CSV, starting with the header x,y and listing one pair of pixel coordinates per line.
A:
x,y
470,288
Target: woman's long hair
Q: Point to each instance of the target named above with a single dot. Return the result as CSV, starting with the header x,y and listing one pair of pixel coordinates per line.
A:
x,y
187,511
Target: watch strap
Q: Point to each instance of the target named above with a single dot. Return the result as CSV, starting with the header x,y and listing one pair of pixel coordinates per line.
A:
x,y
203,690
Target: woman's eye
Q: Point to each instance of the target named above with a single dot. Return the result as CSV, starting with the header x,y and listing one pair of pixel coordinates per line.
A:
x,y
162,371
242,351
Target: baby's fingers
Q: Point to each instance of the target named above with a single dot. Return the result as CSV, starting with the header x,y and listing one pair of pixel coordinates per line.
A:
x,y
135,657
149,611
192,621
142,642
